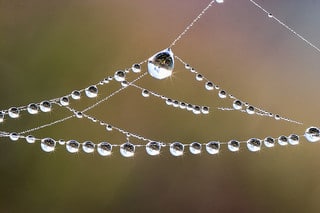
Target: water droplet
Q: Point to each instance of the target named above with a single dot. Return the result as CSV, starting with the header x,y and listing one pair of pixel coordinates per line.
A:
x,y
213,147
1,116
199,77
76,95
254,144
14,136
312,134
209,85
64,101
92,91
72,146
270,15
120,75
269,142
196,110
124,83
45,106
187,66
32,108
222,94
193,70
153,148
169,101
176,149
136,68
145,93
175,103
183,105
293,139
234,145
283,140
61,142
127,150
109,127
30,139
88,147
48,144
237,105
189,107
250,110
14,112
277,117
104,149
161,64
79,114
205,110
195,148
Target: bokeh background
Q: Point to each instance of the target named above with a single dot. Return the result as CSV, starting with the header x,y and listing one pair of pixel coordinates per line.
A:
x,y
49,48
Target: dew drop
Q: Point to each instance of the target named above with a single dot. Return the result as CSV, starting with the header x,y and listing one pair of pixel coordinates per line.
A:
x,y
270,15
45,106
32,108
124,83
169,101
109,127
72,146
104,149
76,95
195,148
205,110
283,140
196,110
234,145
136,68
1,116
161,64
237,105
88,147
293,139
127,150
250,110
48,144
175,103
312,134
199,77
176,149
187,66
120,75
153,148
79,114
254,144
14,136
183,105
14,112
61,142
189,107
30,139
213,147
269,142
277,117
209,85
222,94
145,93
92,91
193,70
64,101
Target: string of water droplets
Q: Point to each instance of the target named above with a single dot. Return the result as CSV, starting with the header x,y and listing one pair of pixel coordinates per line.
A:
x,y
159,66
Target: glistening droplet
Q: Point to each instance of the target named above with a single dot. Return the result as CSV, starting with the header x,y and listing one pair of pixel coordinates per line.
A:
x,y
45,106
104,148
14,136
30,139
293,139
14,112
48,144
269,142
64,101
161,64
237,105
72,146
213,147
91,91
234,145
32,108
312,134
76,95
195,148
145,93
153,148
136,68
283,140
254,144
127,150
88,147
176,149
120,75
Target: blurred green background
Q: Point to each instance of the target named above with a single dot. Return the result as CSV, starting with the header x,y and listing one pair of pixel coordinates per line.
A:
x,y
49,48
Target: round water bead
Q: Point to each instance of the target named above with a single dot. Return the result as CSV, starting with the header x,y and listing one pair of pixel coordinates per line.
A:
x,y
104,148
293,139
277,117
145,93
79,114
237,105
196,110
14,136
127,149
250,110
32,108
14,112
183,105
76,95
124,83
92,91
1,116
72,146
269,142
109,127
169,101
61,142
234,145
176,149
213,147
120,75
283,140
136,68
209,85
195,148
189,107
199,77
48,144
270,15
88,147
45,106
205,110
312,134
222,94
64,101
254,144
30,139
161,64
153,148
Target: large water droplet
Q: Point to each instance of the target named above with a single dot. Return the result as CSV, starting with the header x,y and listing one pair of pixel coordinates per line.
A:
x,y
76,95
254,144
30,139
269,142
72,146
222,94
176,149
45,106
234,145
195,148
312,134
209,85
213,147
136,68
237,105
127,149
161,64
283,140
250,110
32,109
91,91
48,144
104,148
14,136
120,75
88,147
153,148
293,139
14,112
145,93
64,101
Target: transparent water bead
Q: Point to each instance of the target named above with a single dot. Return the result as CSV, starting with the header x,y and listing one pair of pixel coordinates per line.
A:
x,y
209,85
160,65
109,127
237,105
88,147
1,116
14,136
30,139
183,105
205,110
72,146
48,144
64,101
199,77
176,149
61,142
14,112
213,147
293,139
92,91
175,103
153,148
222,94
254,144
32,108
104,149
250,110
76,95
283,140
45,106
312,134
195,148
120,75
169,101
234,145
196,110
269,142
127,150
145,93
136,68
